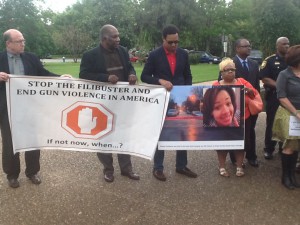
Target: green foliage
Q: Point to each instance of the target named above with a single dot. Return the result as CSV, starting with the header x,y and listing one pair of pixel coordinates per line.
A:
x,y
155,14
270,25
24,16
202,23
211,16
194,58
91,15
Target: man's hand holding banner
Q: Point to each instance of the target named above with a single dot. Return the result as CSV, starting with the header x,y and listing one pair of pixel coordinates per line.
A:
x,y
79,115
72,114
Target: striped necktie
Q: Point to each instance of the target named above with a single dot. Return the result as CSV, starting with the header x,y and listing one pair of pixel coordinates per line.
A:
x,y
245,66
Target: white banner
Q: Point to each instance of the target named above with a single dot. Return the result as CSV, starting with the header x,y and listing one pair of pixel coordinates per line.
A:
x,y
72,114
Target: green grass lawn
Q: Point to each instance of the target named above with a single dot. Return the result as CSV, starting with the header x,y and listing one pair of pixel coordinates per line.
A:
x,y
200,72
63,68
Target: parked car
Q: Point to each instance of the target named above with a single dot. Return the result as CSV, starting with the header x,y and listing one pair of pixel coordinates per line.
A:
x,y
196,113
172,112
47,56
205,57
256,55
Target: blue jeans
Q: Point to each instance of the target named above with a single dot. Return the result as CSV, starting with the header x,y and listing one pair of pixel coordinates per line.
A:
x,y
181,159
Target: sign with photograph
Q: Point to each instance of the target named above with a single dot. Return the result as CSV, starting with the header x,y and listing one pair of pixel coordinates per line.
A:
x,y
204,118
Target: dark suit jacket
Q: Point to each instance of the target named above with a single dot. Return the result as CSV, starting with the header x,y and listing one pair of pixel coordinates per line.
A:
x,y
157,67
253,77
32,67
92,66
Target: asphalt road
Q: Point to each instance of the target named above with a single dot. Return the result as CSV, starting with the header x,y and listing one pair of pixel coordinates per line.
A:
x,y
73,192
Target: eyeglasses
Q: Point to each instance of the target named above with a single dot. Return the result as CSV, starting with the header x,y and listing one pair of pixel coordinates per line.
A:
x,y
173,42
245,46
19,42
229,70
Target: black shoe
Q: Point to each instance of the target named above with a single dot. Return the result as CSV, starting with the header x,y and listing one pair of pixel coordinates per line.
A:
x,y
35,179
187,172
109,177
159,175
13,183
268,155
253,162
131,175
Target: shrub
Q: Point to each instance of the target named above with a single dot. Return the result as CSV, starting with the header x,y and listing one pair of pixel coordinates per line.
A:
x,y
194,58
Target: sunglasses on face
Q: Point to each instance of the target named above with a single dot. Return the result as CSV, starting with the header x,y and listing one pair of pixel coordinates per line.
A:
x,y
172,42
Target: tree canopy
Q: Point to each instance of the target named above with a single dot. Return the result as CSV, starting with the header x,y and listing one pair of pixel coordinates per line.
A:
x,y
203,24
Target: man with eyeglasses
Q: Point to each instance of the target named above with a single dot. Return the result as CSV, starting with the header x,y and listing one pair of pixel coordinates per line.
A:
x,y
269,71
15,61
109,62
168,65
249,70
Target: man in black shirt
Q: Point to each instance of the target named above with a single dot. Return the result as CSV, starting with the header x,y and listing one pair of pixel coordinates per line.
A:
x,y
269,71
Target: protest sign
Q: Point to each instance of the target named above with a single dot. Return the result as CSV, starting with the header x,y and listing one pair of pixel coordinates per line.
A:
x,y
73,114
187,128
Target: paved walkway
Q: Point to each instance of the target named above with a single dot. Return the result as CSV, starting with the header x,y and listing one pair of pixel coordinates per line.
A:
x,y
73,192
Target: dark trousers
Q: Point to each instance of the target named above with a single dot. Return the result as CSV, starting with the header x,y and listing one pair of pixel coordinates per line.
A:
x,y
250,137
272,105
181,159
107,160
11,161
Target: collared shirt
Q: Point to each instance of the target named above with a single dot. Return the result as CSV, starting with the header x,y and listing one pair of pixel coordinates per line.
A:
x,y
242,60
172,60
11,58
272,66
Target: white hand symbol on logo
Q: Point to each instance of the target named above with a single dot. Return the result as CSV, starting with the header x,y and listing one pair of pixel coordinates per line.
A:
x,y
86,122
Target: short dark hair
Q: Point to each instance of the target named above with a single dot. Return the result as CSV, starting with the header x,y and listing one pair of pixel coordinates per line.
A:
x,y
237,43
209,101
292,56
169,29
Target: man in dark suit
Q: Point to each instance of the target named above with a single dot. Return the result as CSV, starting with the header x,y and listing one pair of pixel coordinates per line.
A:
x,y
109,62
15,61
249,70
168,66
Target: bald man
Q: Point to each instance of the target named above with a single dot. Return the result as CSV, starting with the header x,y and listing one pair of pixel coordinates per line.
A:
x,y
269,71
109,62
15,61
